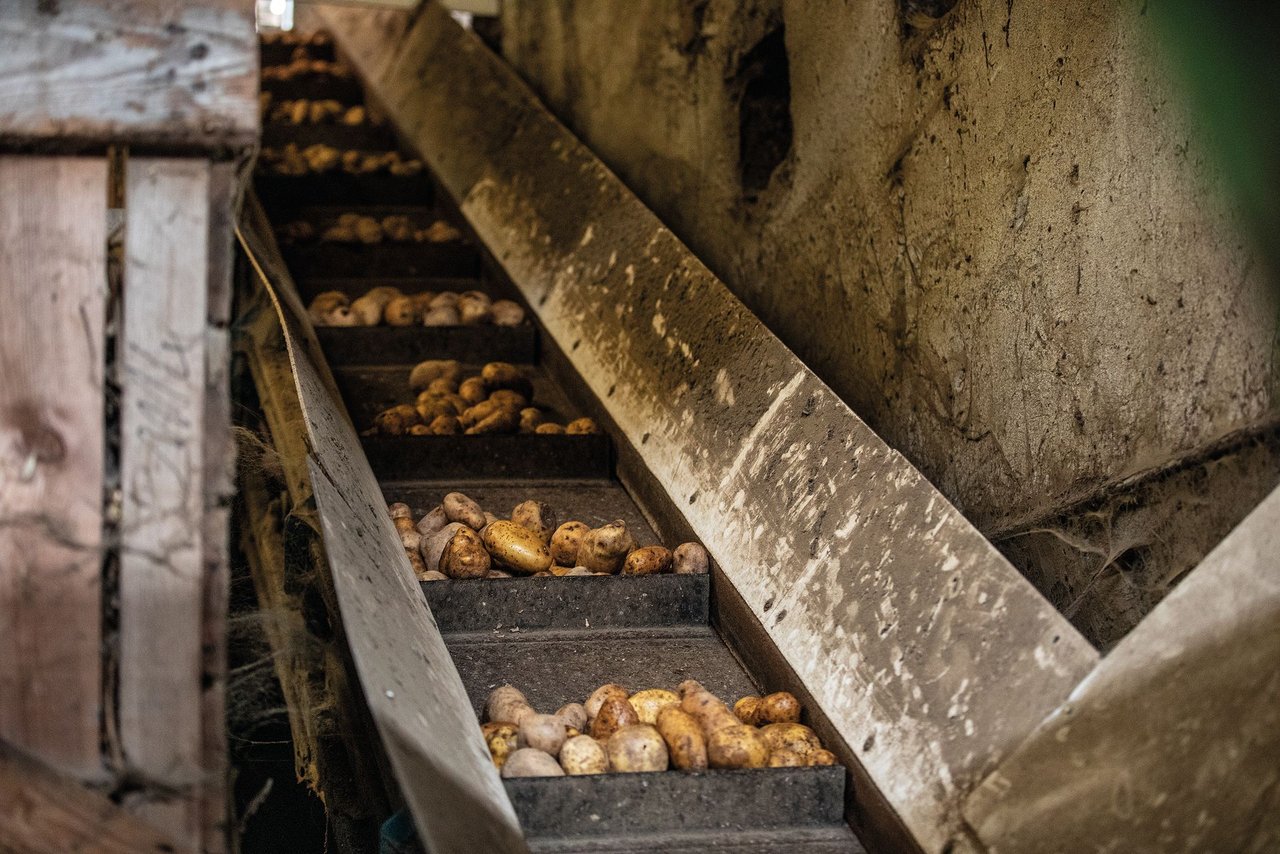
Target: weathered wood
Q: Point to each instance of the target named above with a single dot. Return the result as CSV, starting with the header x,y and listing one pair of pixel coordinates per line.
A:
x,y
903,623
42,812
140,72
1178,728
53,284
162,423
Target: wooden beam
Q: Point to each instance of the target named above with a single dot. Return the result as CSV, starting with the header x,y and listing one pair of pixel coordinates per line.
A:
x,y
138,72
53,285
162,558
42,812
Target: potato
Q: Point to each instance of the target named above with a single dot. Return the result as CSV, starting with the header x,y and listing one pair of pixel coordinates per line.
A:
x,y
530,419
638,747
787,758
823,757
444,316
325,303
603,549
582,754
368,310
432,547
433,521
500,421
614,714
582,427
549,429
565,542
506,704
501,740
712,714
779,708
465,556
424,372
421,303
499,375
419,430
516,547
431,574
738,746
649,560
649,702
537,516
506,313
608,691
445,425
531,762
399,510
574,715
472,311
497,573
445,299
543,732
397,420
690,559
791,736
747,710
442,385
460,508
473,390
689,686
508,398
430,407
340,316
582,570
399,312
473,415
685,743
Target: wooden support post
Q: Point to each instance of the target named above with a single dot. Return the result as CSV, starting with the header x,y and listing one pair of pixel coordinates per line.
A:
x,y
162,560
53,286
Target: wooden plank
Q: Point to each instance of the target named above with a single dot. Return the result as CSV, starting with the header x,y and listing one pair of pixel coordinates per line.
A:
x,y
42,812
162,558
53,283
1172,743
163,72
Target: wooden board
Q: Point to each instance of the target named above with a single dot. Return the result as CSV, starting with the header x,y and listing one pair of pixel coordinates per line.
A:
x,y
42,812
93,72
52,283
163,374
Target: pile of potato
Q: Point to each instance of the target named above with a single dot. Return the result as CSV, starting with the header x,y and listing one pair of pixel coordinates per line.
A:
x,y
301,65
387,304
319,159
301,111
360,228
459,539
497,400
689,729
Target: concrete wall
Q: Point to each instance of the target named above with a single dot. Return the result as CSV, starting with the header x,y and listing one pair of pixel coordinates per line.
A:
x,y
997,238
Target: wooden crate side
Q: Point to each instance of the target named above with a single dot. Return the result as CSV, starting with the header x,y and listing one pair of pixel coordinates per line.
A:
x,y
53,283
162,558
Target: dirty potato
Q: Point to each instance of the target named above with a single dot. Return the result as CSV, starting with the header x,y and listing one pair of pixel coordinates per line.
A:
x,y
544,732
432,548
582,427
649,702
787,758
608,691
710,712
549,429
566,541
397,420
473,390
506,313
465,556
779,708
516,547
822,757
501,740
747,710
690,559
445,425
442,316
791,736
530,419
399,311
685,743
614,714
582,754
501,421
504,375
507,704
531,762
460,508
537,516
574,715
603,549
637,748
431,369
432,522
737,746
649,560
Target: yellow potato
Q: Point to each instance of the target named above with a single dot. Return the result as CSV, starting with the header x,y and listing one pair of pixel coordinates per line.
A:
x,y
607,691
747,710
787,759
649,560
582,754
779,708
465,555
582,427
614,714
516,547
565,543
710,712
789,736
649,702
685,743
537,516
637,748
737,746
823,757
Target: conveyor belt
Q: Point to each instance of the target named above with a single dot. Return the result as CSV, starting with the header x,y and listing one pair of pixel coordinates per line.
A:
x,y
555,638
